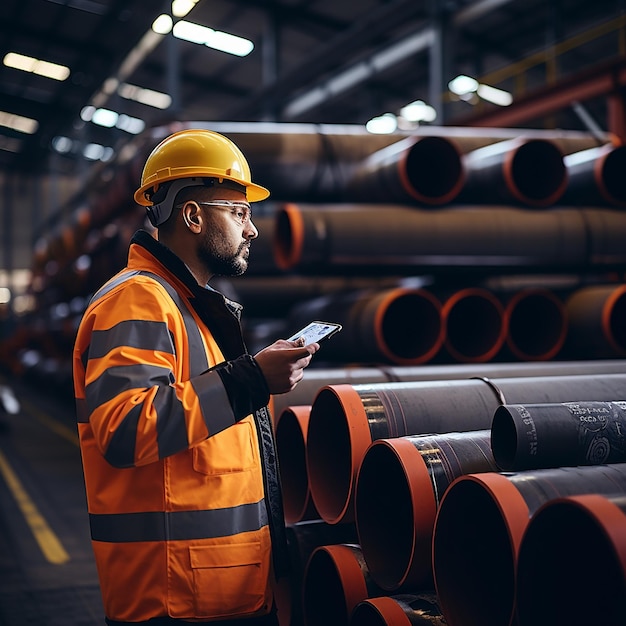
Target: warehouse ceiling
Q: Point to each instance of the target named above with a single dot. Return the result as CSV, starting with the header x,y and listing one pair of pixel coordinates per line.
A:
x,y
317,61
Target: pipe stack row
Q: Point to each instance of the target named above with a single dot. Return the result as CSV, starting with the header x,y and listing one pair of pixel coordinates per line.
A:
x,y
439,518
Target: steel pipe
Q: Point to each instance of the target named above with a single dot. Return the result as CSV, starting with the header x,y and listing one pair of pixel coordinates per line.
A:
x,y
596,317
424,170
397,492
400,325
530,436
346,419
291,433
572,544
479,528
536,324
384,238
524,171
475,325
335,581
399,610
315,378
595,176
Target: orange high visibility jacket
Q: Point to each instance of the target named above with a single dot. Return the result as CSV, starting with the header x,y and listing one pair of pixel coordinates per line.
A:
x,y
171,456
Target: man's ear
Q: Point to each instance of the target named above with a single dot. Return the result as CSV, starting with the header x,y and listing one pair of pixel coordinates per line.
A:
x,y
192,216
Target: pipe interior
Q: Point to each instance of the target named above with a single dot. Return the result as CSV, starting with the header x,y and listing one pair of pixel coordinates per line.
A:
x,y
616,322
473,327
434,167
367,614
473,559
504,438
538,170
411,326
328,455
536,327
324,601
291,449
568,571
612,174
384,514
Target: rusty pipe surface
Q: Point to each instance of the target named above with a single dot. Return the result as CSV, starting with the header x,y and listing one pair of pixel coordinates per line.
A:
x,y
291,433
424,170
346,419
571,544
536,324
523,171
596,317
384,238
595,176
399,325
475,325
530,436
335,580
398,488
316,378
479,527
407,609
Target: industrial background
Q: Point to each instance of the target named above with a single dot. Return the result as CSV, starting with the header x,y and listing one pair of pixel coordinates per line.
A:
x,y
448,182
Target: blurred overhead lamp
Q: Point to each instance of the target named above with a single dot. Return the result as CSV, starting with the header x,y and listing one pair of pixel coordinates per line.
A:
x,y
418,111
466,88
18,122
163,24
36,66
180,8
148,97
218,40
382,125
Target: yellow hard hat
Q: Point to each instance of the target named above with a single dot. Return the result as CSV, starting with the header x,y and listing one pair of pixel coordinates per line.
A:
x,y
196,153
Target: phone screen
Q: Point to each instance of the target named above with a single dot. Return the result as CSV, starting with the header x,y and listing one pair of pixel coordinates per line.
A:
x,y
316,332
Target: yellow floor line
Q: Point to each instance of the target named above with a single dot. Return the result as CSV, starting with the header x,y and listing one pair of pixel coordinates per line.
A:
x,y
52,424
48,542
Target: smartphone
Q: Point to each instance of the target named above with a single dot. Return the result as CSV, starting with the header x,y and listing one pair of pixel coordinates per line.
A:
x,y
315,332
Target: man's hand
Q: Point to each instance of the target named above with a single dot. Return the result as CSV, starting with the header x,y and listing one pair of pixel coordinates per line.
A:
x,y
283,363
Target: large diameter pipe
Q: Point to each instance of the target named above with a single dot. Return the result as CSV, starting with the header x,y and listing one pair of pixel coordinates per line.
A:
x,y
571,544
400,325
397,492
316,378
346,419
531,436
536,324
407,609
595,176
524,171
291,433
475,325
336,579
380,238
478,531
424,170
596,317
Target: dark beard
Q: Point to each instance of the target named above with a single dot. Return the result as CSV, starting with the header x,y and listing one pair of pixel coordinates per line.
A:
x,y
221,265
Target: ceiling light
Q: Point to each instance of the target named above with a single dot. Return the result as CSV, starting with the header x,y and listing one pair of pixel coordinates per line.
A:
x,y
105,117
496,96
418,111
225,42
383,124
180,8
86,113
145,96
462,85
130,124
5,295
10,144
96,152
36,66
19,123
163,24
63,145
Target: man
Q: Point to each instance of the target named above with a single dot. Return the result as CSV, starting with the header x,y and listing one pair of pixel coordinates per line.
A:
x,y
178,457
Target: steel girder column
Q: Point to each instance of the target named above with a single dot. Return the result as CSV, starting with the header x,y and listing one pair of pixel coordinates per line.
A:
x,y
440,53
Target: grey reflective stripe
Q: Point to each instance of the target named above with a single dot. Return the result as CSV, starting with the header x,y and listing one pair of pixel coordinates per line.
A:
x,y
116,380
121,449
171,425
198,361
139,334
177,525
114,282
215,404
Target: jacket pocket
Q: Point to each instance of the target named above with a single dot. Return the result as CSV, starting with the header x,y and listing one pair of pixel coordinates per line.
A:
x,y
231,450
228,579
